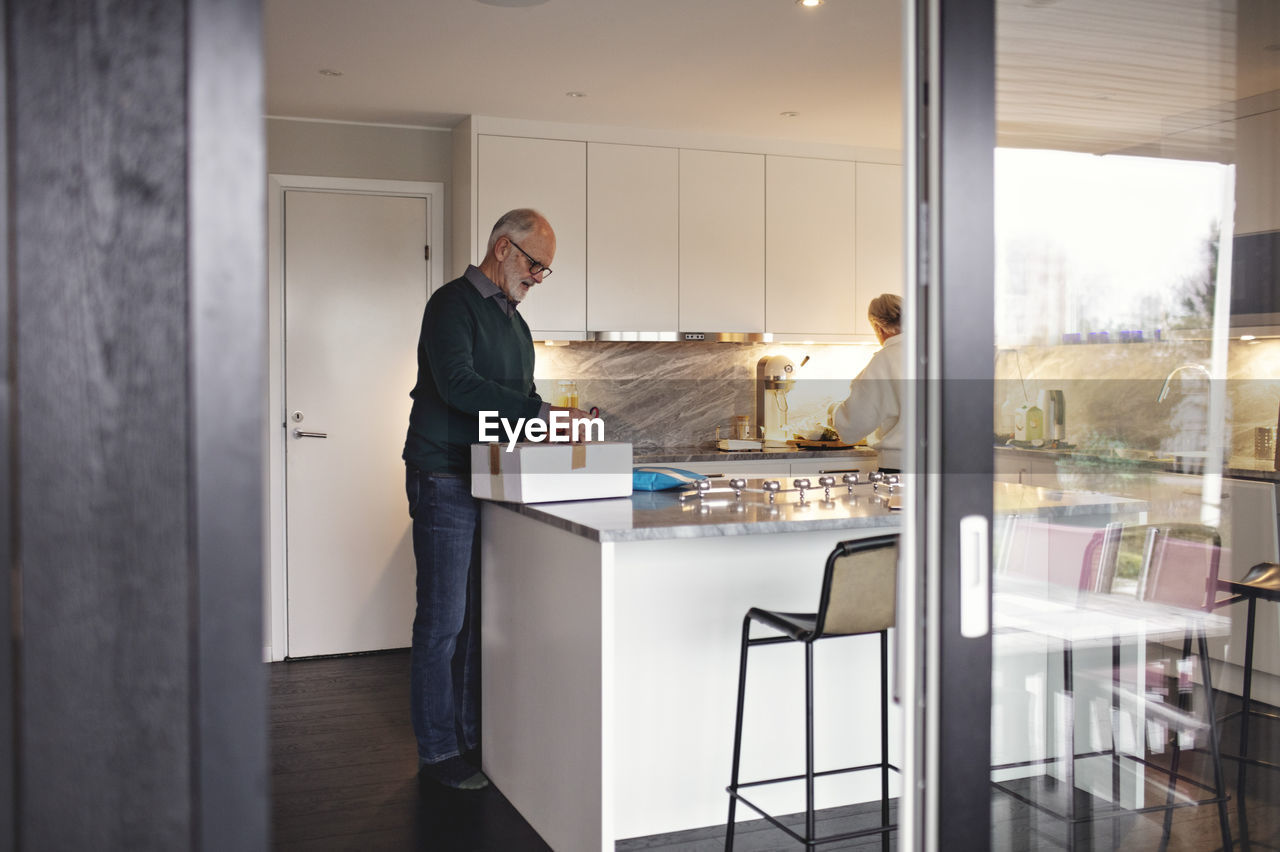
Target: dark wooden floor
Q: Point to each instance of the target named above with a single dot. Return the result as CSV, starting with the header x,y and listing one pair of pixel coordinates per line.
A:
x,y
344,777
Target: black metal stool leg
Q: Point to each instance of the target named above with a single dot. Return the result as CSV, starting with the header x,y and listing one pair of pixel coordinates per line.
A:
x,y
1115,731
884,738
1219,789
1068,704
1246,697
810,826
737,734
1242,763
1175,761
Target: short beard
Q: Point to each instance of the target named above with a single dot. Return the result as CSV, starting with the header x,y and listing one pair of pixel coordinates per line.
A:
x,y
510,272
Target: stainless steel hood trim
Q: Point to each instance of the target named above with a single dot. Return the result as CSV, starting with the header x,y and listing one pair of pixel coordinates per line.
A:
x,y
701,336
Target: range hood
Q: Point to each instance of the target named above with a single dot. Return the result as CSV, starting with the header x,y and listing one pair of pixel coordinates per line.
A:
x,y
681,336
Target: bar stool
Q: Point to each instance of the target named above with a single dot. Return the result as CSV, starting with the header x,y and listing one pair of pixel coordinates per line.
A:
x,y
1261,582
859,596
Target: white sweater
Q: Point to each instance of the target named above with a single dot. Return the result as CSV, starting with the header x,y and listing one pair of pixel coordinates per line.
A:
x,y
874,404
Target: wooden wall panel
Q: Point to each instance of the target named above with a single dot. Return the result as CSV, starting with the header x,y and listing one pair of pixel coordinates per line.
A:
x,y
138,307
99,257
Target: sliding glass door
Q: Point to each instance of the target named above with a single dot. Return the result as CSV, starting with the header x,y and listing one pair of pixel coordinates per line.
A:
x,y
1097,334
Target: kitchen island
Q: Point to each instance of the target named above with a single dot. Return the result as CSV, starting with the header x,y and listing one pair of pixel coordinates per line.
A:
x,y
611,631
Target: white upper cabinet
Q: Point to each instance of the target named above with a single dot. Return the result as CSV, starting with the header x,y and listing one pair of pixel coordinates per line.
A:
x,y
721,241
878,265
633,237
550,176
1258,173
810,252
664,238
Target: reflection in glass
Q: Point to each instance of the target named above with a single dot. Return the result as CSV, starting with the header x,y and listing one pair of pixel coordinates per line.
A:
x,y
1137,189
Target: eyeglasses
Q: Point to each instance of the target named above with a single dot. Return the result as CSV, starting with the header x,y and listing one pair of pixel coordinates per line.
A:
x,y
535,266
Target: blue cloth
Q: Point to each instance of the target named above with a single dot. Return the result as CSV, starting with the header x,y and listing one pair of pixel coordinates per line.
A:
x,y
661,478
445,657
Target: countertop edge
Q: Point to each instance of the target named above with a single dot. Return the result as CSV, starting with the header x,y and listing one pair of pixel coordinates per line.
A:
x,y
690,531
676,455
1115,464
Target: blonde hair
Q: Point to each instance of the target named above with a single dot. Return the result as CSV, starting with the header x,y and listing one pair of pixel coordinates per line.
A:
x,y
885,311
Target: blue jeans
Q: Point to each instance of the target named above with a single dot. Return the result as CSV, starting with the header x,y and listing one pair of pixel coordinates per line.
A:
x,y
445,659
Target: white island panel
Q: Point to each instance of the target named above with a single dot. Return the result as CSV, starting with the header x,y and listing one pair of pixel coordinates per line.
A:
x,y
544,678
610,677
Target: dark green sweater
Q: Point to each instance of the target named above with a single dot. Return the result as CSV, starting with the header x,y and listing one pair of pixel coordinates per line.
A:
x,y
472,357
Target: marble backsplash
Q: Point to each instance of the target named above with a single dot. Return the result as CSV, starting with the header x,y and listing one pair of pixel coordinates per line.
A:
x,y
1111,392
658,395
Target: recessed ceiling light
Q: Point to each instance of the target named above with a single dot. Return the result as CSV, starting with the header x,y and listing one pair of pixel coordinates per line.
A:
x,y
575,94
809,4
512,2
330,72
788,114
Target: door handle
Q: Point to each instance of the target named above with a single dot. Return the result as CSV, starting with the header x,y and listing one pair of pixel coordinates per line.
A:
x,y
975,577
298,433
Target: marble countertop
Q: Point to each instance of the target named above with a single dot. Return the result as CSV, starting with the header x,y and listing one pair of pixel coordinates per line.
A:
x,y
1238,467
709,452
651,515
1011,498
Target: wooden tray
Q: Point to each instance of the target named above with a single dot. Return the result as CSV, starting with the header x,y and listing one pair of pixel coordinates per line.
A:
x,y
802,444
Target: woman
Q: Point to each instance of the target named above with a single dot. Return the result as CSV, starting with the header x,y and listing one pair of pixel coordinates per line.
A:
x,y
874,404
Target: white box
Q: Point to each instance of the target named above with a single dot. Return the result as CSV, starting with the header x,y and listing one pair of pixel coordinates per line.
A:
x,y
544,472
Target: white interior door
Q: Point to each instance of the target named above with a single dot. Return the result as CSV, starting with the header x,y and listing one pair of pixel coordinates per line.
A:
x,y
355,283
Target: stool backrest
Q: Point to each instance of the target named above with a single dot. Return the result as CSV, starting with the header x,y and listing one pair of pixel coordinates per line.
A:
x,y
860,587
1064,559
1180,565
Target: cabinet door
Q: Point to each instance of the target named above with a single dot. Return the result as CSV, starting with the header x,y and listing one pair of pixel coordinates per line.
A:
x,y
878,265
762,469
1044,473
1010,467
551,177
835,466
1258,173
1247,527
633,238
810,254
721,241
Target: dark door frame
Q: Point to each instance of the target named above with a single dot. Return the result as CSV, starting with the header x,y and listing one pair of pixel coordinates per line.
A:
x,y
953,123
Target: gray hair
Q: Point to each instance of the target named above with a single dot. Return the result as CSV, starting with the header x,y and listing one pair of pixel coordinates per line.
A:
x,y
885,311
517,224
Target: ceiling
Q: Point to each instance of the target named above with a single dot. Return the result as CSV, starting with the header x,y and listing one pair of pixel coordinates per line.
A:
x,y
1156,77
1153,76
706,66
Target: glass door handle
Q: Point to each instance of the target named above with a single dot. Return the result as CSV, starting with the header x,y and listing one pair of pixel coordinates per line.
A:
x,y
975,577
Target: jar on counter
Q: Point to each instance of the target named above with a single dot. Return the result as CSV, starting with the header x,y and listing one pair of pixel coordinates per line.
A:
x,y
567,393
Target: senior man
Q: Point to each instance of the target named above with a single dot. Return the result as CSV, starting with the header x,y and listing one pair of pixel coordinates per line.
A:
x,y
475,354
